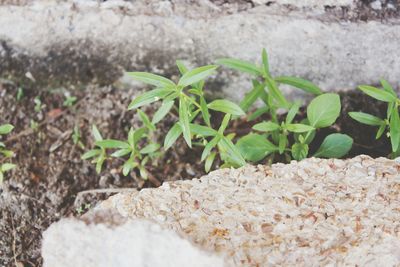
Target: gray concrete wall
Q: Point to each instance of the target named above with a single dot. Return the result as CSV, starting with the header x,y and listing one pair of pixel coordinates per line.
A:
x,y
71,42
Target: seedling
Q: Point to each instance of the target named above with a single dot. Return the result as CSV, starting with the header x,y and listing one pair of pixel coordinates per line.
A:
x,y
5,153
390,124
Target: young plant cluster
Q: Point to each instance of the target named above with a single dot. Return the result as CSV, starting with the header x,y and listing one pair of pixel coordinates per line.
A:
x,y
5,154
390,124
288,137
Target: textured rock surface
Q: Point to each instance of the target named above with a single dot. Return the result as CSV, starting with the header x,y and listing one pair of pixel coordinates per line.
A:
x,y
310,213
106,240
327,41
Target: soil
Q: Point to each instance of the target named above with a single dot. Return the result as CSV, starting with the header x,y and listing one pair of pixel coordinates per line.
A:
x,y
50,173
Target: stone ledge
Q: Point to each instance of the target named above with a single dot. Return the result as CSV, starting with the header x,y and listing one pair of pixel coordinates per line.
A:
x,y
314,212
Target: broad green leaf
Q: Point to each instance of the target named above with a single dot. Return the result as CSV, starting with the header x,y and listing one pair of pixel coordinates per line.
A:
x,y
152,79
226,106
255,147
283,141
323,110
7,166
292,112
149,97
6,128
265,62
366,118
150,148
182,68
240,65
209,161
268,126
209,146
204,111
334,146
121,152
376,93
299,128
232,152
395,129
196,75
299,151
172,135
111,143
162,111
202,130
91,153
275,92
184,120
300,83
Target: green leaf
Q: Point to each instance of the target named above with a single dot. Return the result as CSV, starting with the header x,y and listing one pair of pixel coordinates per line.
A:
x,y
252,96
150,148
196,75
255,147
182,68
96,133
6,128
111,143
283,141
232,152
240,65
266,126
380,131
388,88
275,92
204,111
226,106
7,166
121,152
323,110
149,97
394,129
256,114
334,146
299,151
300,83
224,123
209,161
99,163
172,135
202,130
184,120
265,62
209,146
146,121
128,166
377,93
292,112
366,118
299,128
139,134
152,79
162,111
91,153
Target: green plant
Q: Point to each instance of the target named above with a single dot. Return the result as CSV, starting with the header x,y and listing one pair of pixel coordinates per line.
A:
x,y
38,104
185,100
5,166
390,124
285,136
69,101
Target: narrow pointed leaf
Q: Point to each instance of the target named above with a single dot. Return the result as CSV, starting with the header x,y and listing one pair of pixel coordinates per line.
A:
x,y
268,126
395,129
299,128
172,135
265,62
209,161
300,84
376,93
196,75
162,111
275,92
111,143
204,111
184,120
202,130
366,118
209,146
152,79
149,97
226,106
240,65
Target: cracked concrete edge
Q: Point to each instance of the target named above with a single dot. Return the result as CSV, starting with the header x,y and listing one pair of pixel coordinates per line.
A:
x,y
79,42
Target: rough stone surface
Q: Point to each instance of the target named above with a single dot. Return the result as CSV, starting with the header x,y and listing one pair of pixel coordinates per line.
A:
x,y
328,42
311,213
106,240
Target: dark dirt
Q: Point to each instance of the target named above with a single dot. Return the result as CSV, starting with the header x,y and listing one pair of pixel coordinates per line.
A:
x,y
45,185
